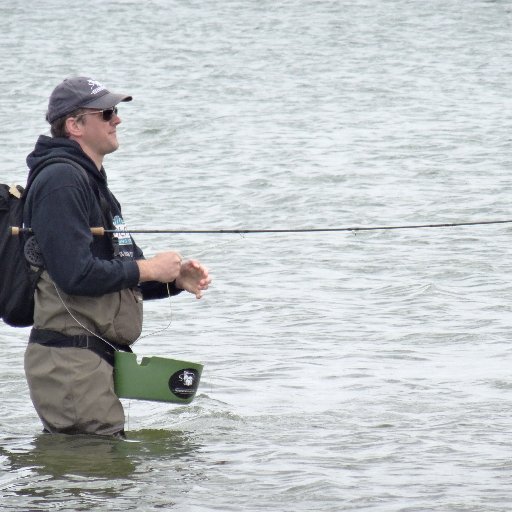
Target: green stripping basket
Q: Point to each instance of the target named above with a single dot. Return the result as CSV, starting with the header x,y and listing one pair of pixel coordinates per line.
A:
x,y
156,378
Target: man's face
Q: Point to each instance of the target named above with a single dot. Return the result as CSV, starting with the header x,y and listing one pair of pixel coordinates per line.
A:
x,y
99,131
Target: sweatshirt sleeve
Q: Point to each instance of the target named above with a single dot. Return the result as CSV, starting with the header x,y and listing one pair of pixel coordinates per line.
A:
x,y
155,290
60,209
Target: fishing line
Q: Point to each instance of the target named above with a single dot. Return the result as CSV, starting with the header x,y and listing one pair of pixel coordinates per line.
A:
x,y
242,232
100,231
78,321
103,339
212,247
158,331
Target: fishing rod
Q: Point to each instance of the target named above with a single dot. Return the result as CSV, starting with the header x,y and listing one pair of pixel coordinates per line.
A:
x,y
100,231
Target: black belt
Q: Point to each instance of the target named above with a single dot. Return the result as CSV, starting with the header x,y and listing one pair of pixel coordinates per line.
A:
x,y
97,345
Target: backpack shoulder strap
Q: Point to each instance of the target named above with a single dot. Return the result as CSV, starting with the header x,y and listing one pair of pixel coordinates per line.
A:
x,y
104,205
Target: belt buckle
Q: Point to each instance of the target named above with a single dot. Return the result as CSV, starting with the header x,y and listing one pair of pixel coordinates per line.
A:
x,y
83,340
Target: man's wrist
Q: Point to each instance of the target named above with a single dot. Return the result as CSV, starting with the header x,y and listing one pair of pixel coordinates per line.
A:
x,y
145,271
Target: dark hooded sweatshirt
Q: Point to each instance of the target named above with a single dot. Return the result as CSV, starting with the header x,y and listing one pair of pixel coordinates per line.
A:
x,y
61,207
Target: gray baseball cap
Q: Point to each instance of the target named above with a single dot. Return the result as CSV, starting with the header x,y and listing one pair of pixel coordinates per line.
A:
x,y
78,92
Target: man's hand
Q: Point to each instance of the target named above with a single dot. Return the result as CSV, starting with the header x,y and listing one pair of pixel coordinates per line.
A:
x,y
193,277
164,267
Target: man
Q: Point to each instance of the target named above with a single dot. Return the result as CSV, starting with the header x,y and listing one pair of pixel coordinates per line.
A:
x,y
88,300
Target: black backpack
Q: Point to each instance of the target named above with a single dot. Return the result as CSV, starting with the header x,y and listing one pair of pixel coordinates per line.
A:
x,y
18,277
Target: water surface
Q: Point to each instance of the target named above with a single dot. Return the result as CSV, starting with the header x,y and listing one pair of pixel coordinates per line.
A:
x,y
343,371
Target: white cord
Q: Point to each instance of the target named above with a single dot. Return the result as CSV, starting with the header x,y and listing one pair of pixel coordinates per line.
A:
x,y
78,322
103,339
167,326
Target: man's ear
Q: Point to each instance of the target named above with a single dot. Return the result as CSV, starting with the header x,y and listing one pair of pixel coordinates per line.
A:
x,y
73,126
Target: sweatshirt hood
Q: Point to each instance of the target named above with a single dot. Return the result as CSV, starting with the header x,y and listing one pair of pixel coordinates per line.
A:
x,y
49,147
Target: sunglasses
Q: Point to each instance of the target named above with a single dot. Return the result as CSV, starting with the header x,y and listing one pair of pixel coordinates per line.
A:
x,y
106,114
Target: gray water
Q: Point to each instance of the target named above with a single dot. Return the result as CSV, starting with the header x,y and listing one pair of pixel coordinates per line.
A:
x,y
343,371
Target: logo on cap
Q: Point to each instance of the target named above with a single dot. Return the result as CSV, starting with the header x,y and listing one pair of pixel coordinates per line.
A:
x,y
96,86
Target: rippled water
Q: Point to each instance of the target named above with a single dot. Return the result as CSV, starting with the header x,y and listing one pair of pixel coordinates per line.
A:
x,y
343,371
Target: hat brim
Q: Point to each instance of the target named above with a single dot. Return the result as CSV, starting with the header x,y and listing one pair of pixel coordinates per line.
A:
x,y
107,101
